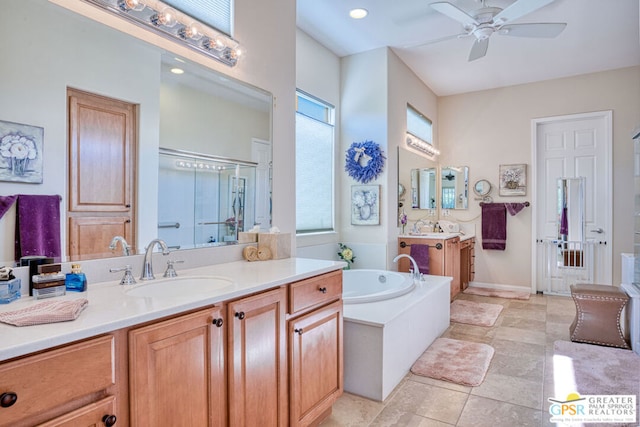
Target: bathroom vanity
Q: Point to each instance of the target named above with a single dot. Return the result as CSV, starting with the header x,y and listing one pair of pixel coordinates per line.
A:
x,y
447,254
238,356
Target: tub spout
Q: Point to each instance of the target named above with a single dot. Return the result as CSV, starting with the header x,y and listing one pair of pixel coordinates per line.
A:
x,y
417,276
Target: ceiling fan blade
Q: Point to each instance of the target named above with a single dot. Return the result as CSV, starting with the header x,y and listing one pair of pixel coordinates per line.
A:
x,y
479,49
441,39
454,13
518,9
545,30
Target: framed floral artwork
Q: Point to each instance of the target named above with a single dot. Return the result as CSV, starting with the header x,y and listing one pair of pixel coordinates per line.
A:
x,y
21,152
513,180
365,204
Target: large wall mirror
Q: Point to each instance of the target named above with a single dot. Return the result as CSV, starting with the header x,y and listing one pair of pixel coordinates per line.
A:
x,y
418,176
455,187
49,49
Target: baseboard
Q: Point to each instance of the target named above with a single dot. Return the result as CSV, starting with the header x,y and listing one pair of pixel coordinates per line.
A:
x,y
500,287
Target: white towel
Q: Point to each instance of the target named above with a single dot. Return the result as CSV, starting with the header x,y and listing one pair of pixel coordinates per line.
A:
x,y
45,312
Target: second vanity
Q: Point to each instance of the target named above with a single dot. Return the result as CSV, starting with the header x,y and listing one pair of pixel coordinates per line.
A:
x,y
450,254
238,355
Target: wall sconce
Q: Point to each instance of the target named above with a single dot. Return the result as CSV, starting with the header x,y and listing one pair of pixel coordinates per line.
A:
x,y
417,143
173,25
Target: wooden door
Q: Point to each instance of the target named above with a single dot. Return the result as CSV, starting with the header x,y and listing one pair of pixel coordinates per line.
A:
x,y
102,149
316,363
452,264
177,372
257,360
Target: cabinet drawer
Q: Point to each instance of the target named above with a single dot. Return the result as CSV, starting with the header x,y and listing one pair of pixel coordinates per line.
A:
x,y
93,414
314,291
49,379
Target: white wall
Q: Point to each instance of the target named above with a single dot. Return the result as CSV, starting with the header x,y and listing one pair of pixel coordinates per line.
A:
x,y
488,128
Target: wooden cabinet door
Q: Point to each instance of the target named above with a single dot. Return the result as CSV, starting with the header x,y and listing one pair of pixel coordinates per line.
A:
x,y
452,264
176,371
436,256
102,148
257,360
316,363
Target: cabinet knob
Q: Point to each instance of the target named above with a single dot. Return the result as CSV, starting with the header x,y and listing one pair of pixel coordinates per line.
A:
x,y
8,399
218,322
240,315
109,420
323,290
298,331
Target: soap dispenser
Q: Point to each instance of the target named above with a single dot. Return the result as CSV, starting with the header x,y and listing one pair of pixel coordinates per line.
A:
x,y
76,280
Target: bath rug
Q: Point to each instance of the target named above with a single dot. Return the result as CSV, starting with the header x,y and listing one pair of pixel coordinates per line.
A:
x,y
474,313
488,292
589,369
459,362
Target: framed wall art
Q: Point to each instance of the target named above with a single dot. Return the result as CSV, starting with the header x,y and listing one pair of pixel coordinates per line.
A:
x,y
21,152
365,204
513,180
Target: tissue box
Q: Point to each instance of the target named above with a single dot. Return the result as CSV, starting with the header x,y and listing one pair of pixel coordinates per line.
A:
x,y
278,243
247,237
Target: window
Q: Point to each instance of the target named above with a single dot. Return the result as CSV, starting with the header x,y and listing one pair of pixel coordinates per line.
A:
x,y
314,164
214,13
418,125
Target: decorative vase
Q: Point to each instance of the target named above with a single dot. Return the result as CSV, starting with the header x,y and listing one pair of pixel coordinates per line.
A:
x,y
348,267
18,166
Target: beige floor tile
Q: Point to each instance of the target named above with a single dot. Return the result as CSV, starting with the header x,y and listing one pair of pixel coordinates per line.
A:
x,y
440,383
519,322
539,315
526,305
482,412
394,417
505,388
521,366
351,410
517,348
521,335
427,401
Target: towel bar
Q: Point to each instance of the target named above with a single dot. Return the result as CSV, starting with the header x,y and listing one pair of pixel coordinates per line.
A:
x,y
404,244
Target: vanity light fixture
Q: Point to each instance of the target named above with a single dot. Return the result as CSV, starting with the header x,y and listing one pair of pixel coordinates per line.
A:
x,y
417,143
161,19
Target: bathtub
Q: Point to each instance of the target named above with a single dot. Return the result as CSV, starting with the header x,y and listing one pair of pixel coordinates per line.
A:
x,y
361,286
386,330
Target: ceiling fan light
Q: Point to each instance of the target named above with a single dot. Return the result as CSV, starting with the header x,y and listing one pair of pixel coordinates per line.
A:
x,y
358,13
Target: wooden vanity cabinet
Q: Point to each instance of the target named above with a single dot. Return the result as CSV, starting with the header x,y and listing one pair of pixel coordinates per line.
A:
x,y
444,258
177,371
257,360
71,385
467,262
315,348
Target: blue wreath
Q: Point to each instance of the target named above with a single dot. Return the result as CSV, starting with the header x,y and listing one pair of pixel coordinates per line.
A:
x,y
369,171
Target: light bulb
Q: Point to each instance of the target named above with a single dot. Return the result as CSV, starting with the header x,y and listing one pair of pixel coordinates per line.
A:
x,y
166,18
192,31
127,5
216,43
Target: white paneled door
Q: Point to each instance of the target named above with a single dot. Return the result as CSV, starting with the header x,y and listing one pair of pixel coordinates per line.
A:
x,y
574,146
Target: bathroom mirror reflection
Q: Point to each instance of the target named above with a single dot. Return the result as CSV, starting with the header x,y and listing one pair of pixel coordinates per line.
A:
x,y
417,175
571,209
199,110
455,187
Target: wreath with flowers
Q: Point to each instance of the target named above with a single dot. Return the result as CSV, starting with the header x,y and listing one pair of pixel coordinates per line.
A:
x,y
364,161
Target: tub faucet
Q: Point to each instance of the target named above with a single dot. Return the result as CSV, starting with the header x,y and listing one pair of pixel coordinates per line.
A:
x,y
126,249
147,269
417,276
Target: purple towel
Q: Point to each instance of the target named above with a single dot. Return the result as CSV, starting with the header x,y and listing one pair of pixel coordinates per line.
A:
x,y
38,226
564,223
5,204
421,254
514,208
494,226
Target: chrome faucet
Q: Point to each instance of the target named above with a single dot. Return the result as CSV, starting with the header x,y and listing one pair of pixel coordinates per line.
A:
x,y
147,269
417,229
126,249
416,271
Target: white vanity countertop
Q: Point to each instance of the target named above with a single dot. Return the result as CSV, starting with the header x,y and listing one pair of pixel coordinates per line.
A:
x,y
443,236
110,308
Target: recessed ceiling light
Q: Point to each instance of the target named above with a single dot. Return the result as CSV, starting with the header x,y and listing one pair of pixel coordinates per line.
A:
x,y
177,70
358,13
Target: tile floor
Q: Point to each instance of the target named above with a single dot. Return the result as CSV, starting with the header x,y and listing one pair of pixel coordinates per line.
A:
x,y
514,392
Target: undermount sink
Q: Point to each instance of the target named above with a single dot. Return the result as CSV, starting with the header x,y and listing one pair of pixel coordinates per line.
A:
x,y
178,286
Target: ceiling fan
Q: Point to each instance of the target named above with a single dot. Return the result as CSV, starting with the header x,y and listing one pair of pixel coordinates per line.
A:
x,y
483,22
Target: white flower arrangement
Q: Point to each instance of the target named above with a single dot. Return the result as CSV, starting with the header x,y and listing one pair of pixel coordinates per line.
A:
x,y
18,149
